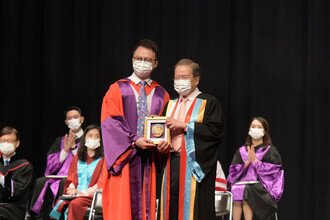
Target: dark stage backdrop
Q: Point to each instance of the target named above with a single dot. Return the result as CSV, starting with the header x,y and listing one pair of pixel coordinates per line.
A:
x,y
267,58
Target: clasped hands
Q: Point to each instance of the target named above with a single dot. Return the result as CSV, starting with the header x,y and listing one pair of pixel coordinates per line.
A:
x,y
251,156
163,146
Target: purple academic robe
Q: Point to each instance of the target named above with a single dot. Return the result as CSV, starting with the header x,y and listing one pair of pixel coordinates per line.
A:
x,y
54,167
265,180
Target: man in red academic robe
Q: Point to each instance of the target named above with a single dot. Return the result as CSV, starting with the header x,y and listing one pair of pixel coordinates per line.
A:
x,y
130,189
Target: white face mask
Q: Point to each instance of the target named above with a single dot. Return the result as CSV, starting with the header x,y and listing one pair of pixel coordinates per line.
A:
x,y
182,86
92,143
74,124
7,148
256,133
142,68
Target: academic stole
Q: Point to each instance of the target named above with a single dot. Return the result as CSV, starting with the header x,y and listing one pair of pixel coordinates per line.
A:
x,y
186,194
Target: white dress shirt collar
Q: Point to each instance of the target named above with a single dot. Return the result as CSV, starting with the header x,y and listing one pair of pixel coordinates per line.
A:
x,y
136,79
7,158
79,133
192,95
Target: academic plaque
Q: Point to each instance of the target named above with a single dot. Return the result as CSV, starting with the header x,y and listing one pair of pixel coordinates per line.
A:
x,y
155,129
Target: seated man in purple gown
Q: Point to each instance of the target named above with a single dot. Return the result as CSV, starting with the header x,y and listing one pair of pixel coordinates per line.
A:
x,y
59,158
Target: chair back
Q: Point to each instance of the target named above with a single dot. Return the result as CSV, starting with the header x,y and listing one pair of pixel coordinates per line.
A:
x,y
98,201
96,207
223,204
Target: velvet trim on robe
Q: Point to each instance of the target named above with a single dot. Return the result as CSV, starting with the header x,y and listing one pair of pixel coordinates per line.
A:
x,y
199,153
269,173
125,188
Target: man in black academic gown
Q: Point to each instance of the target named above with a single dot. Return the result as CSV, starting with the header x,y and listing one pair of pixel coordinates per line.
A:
x,y
16,177
195,121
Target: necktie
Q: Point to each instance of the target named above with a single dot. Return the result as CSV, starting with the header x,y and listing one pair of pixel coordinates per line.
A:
x,y
6,162
177,138
142,109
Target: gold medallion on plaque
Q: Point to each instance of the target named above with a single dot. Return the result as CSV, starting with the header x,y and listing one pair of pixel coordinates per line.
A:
x,y
157,130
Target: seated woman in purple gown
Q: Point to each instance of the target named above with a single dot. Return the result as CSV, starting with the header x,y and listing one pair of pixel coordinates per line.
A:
x,y
256,175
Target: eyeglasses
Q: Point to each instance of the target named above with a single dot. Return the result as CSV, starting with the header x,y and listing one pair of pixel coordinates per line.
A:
x,y
145,59
10,141
182,77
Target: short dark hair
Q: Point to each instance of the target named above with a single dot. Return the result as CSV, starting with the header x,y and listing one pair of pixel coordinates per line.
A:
x,y
266,138
82,151
196,69
9,130
70,108
149,44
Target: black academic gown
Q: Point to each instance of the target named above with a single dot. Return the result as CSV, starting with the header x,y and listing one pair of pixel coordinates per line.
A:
x,y
19,181
207,136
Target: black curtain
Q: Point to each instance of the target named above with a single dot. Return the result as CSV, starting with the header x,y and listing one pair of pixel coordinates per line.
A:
x,y
267,58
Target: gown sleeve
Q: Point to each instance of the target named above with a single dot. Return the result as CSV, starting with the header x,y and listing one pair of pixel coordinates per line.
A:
x,y
72,174
18,182
271,174
53,158
236,169
116,134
